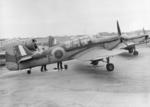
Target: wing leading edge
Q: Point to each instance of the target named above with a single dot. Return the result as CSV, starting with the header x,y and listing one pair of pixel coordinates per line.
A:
x,y
97,53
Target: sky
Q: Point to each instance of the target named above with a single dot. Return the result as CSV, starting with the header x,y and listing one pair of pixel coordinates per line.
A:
x,y
39,18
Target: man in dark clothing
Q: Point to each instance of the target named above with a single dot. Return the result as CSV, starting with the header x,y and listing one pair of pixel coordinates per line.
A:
x,y
59,65
35,44
43,68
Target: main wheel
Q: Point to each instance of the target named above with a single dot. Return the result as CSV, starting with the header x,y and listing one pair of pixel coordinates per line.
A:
x,y
135,53
29,72
110,67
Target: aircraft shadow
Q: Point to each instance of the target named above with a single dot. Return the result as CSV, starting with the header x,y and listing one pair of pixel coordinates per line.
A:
x,y
117,80
127,55
89,69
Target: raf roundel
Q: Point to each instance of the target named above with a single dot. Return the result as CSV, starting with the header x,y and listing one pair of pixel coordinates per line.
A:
x,y
58,54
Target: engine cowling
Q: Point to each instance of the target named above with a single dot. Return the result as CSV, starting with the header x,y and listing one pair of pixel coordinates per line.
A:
x,y
58,53
31,44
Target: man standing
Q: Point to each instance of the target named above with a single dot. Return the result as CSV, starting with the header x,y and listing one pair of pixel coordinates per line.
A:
x,y
59,65
43,67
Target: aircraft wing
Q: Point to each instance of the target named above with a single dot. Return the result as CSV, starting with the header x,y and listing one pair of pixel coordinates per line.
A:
x,y
130,43
97,53
138,39
135,37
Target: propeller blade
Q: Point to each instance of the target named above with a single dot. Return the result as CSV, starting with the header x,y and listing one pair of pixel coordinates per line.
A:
x,y
144,31
119,32
118,29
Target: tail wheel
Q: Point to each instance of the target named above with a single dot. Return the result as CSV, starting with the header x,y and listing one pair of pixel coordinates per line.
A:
x,y
29,72
135,53
110,67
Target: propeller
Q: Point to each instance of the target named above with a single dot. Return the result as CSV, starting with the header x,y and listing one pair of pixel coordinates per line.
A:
x,y
122,40
146,36
144,31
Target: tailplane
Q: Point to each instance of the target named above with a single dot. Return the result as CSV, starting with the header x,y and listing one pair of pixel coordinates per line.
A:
x,y
22,51
15,54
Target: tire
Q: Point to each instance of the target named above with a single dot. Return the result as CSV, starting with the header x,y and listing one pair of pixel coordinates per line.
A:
x,y
110,67
135,53
29,72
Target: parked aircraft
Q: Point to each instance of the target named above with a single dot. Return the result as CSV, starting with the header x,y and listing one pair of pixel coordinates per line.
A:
x,y
131,42
91,49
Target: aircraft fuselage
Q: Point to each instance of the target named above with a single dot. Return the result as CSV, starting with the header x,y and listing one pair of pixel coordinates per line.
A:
x,y
69,50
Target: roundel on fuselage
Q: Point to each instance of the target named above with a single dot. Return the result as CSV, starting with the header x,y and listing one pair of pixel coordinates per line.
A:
x,y
58,52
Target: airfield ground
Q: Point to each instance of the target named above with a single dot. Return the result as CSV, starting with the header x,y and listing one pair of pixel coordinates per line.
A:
x,y
81,85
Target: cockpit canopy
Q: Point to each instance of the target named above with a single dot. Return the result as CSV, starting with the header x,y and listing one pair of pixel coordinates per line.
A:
x,y
86,40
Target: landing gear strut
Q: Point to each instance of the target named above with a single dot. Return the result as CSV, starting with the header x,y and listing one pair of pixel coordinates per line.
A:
x,y
109,66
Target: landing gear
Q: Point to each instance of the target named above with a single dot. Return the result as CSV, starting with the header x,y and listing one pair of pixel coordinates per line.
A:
x,y
135,53
109,66
29,71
